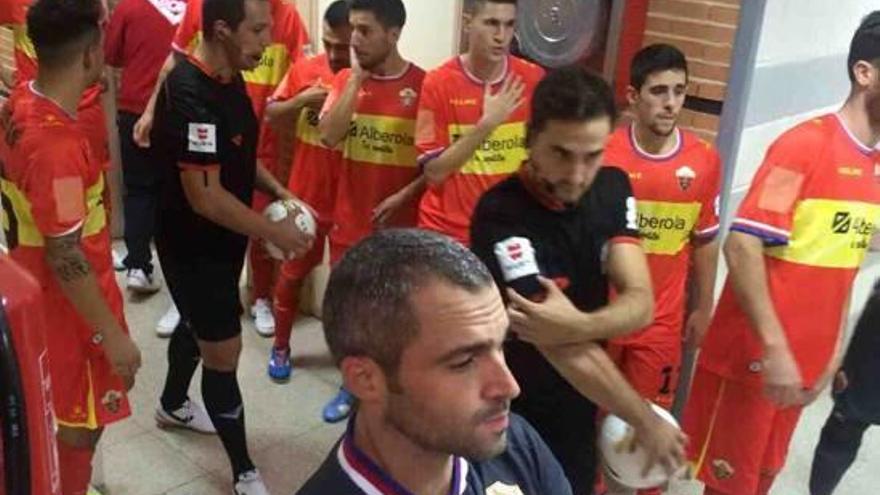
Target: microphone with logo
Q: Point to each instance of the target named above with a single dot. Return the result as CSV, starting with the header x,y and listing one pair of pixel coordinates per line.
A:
x,y
516,257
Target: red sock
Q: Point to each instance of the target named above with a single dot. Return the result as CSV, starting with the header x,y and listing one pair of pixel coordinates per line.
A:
x,y
285,307
262,270
76,469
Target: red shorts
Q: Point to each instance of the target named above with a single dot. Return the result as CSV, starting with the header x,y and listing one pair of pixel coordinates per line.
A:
x,y
86,393
651,364
736,435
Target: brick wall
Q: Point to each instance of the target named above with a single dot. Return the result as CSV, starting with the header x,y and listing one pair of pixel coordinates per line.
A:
x,y
704,30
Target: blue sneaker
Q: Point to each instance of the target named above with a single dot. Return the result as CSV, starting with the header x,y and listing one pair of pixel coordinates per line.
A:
x,y
339,408
279,364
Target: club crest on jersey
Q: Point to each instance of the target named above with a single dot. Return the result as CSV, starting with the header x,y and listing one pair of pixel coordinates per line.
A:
x,y
408,97
877,172
686,177
173,10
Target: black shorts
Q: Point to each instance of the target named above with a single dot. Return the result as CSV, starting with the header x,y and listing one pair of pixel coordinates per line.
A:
x,y
206,293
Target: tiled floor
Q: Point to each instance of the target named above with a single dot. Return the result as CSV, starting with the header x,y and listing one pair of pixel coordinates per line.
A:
x,y
287,437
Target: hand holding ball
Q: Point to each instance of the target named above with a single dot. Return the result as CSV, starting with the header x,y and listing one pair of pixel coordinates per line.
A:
x,y
298,216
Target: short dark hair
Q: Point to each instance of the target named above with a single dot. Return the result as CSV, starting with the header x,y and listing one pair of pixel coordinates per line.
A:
x,y
655,58
58,28
865,43
367,307
472,6
570,94
389,13
231,12
336,15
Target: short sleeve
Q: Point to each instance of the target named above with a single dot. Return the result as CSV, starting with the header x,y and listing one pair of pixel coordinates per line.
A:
x,y
708,222
492,223
336,88
432,123
616,196
189,27
768,208
56,186
188,124
114,41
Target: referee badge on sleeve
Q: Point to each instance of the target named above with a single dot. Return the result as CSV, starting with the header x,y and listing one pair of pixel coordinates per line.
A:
x,y
202,138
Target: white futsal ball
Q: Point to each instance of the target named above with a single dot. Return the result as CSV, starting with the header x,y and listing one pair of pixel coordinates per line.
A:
x,y
302,217
624,466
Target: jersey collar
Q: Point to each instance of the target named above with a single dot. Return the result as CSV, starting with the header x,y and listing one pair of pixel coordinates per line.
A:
x,y
372,480
33,89
862,147
649,156
476,80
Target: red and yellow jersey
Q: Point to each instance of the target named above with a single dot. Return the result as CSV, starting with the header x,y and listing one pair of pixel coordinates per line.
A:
x,y
52,185
379,153
90,112
315,168
289,43
677,201
450,106
814,202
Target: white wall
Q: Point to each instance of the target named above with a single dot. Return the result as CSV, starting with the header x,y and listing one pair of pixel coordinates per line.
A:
x,y
795,35
430,35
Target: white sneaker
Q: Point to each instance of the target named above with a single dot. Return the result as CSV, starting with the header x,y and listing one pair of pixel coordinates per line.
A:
x,y
141,282
250,483
118,261
190,416
168,322
261,311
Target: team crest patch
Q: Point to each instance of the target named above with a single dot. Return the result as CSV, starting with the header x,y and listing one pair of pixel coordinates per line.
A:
x,y
202,138
722,469
173,10
499,488
685,176
112,401
877,172
408,97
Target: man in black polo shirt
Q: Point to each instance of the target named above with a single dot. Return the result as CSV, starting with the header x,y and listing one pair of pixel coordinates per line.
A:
x,y
579,221
207,133
416,326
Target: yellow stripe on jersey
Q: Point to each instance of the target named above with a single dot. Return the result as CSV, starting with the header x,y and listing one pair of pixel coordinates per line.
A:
x,y
22,42
307,127
27,232
271,68
829,233
501,153
194,43
666,228
381,140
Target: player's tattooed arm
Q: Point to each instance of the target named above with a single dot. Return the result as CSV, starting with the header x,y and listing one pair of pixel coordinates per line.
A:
x,y
77,280
66,258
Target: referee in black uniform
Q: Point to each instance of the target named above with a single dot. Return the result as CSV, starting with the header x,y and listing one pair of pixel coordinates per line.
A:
x,y
206,132
578,220
856,402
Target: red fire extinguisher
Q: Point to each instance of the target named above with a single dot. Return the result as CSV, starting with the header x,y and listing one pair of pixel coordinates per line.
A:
x,y
29,459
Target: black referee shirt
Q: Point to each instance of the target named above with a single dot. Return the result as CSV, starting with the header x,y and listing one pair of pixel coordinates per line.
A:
x,y
571,245
203,123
